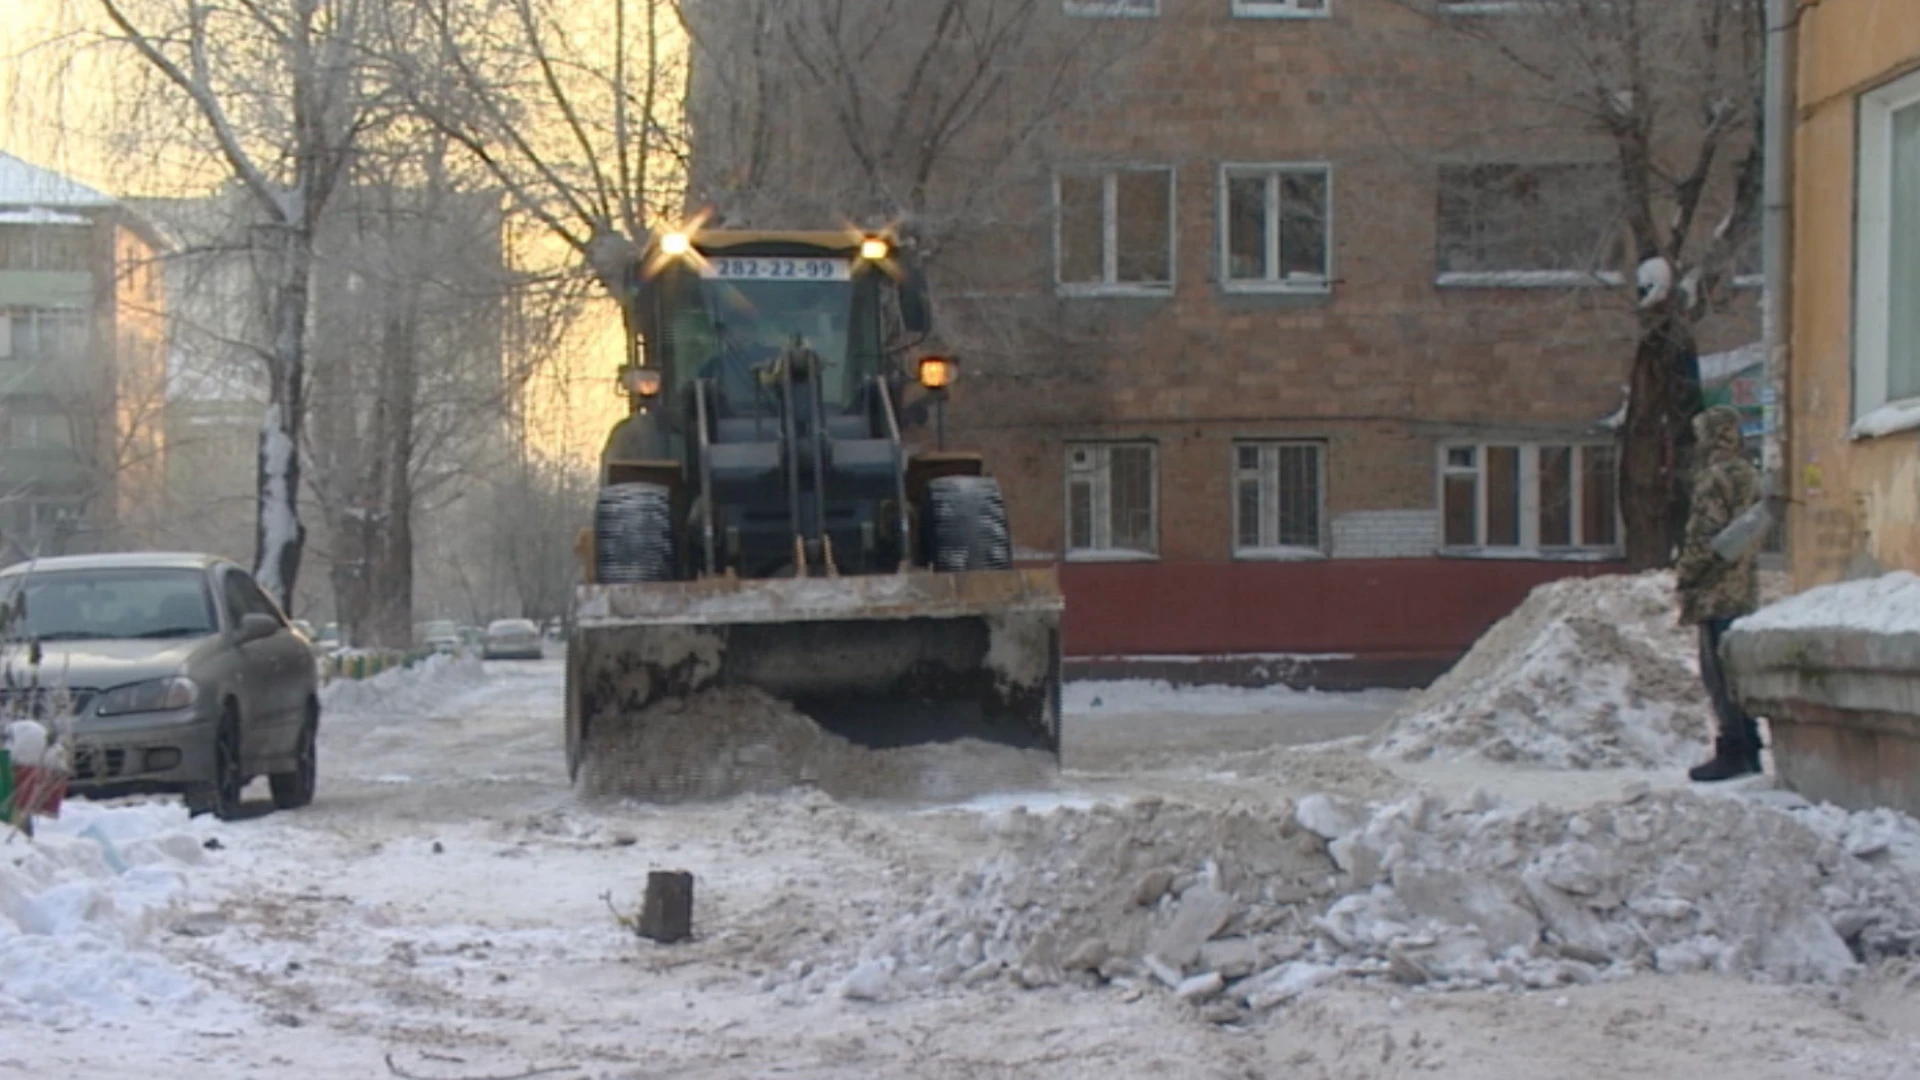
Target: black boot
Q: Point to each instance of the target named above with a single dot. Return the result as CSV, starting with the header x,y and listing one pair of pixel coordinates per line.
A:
x,y
1731,758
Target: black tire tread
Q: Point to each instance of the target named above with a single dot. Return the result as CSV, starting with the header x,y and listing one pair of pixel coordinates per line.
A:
x,y
633,534
967,518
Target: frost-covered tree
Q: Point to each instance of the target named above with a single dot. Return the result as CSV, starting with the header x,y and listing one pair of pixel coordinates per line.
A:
x,y
281,94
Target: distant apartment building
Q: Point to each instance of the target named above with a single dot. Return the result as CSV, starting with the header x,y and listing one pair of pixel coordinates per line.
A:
x,y
82,368
1300,350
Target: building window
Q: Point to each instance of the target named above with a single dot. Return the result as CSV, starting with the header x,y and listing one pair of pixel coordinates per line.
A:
x,y
39,430
1276,230
1281,9
1529,497
45,334
1277,492
1111,8
1529,226
1886,360
58,246
1114,230
1111,500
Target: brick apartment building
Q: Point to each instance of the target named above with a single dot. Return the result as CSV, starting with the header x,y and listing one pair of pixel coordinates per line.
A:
x,y
1297,353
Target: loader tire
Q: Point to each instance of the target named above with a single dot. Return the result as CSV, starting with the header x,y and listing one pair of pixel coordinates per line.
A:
x,y
968,524
633,534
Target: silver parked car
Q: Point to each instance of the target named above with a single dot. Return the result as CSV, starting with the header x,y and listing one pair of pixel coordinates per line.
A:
x,y
512,639
178,672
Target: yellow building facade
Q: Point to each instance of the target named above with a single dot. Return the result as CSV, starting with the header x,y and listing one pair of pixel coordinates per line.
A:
x,y
1854,377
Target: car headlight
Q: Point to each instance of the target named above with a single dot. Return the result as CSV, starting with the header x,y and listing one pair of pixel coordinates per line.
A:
x,y
159,695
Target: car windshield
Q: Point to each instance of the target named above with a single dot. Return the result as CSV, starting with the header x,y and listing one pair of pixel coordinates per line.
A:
x,y
120,603
730,323
510,626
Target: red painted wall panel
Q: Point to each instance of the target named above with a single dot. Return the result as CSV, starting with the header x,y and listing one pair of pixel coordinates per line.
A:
x,y
1359,606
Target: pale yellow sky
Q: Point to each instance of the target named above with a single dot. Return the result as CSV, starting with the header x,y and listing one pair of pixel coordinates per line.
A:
x,y
54,111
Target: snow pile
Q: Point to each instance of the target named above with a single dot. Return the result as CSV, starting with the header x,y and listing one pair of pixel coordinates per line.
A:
x,y
722,743
1586,673
1888,604
76,903
1244,910
405,689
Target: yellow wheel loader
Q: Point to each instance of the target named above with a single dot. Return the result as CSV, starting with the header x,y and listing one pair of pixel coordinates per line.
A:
x,y
763,520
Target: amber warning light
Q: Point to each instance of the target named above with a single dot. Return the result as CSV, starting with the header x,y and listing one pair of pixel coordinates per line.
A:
x,y
641,381
937,372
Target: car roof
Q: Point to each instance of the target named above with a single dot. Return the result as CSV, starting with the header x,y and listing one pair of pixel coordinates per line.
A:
x,y
119,560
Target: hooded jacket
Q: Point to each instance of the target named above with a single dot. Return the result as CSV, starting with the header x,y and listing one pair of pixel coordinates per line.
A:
x,y
1724,486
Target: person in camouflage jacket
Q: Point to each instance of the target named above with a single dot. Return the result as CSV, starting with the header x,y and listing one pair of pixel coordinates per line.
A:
x,y
1715,591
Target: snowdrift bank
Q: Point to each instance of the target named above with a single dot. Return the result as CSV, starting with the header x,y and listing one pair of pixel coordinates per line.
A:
x,y
1241,911
723,743
1888,604
405,690
77,903
1586,673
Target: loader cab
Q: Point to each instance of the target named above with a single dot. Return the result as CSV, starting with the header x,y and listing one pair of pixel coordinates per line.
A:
x,y
724,307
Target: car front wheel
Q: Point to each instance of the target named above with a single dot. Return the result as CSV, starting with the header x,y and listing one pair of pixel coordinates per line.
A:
x,y
294,789
221,796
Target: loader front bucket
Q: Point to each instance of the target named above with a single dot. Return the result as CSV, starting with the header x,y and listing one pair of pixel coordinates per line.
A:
x,y
882,660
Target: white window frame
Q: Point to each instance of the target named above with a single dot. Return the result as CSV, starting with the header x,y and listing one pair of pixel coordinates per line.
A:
x,y
1268,474
1529,545
1110,9
1273,171
1101,469
6,335
1110,233
1279,9
1874,413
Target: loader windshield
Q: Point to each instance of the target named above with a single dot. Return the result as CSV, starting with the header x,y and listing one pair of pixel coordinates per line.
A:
x,y
730,323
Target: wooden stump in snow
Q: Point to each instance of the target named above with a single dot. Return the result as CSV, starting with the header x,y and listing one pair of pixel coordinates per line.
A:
x,y
666,914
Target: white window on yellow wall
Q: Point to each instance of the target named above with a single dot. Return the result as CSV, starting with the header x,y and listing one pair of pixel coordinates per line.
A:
x,y
1886,360
1277,493
1112,501
1519,498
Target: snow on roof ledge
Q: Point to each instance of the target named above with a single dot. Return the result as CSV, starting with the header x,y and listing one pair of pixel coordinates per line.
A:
x,y
40,215
1721,366
28,185
1888,604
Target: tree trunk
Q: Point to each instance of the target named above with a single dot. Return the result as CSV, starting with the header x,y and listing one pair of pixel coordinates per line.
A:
x,y
279,535
392,552
1657,438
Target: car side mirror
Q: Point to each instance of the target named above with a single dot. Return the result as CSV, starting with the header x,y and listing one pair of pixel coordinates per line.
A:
x,y
254,626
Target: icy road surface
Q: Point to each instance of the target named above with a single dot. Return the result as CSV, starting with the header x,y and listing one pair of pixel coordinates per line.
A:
x,y
443,911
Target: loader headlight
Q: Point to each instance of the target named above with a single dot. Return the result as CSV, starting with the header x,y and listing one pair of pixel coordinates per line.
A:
x,y
158,695
675,244
640,381
938,372
873,249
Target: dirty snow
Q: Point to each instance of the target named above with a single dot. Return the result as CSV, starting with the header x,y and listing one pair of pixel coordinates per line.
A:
x,y
722,743
1122,697
449,903
1585,673
1888,604
405,690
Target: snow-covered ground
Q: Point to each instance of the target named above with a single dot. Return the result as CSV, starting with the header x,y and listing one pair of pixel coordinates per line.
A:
x,y
447,905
